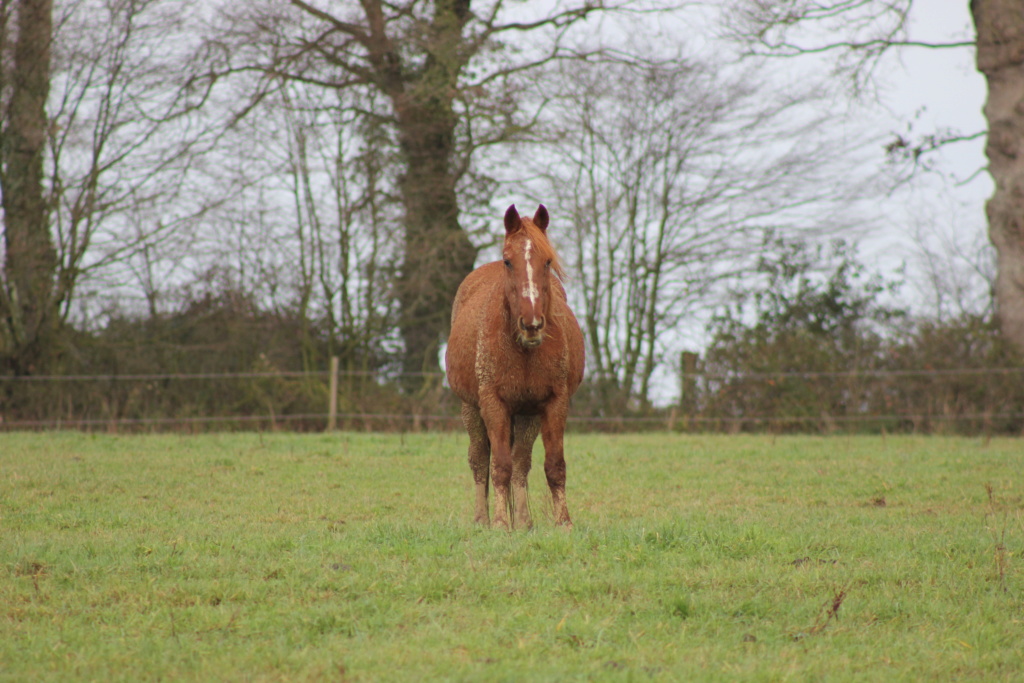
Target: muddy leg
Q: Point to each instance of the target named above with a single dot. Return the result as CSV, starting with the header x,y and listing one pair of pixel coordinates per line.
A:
x,y
552,430
525,428
479,459
499,433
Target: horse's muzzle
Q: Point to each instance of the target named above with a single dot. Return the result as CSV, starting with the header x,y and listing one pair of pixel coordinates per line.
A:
x,y
531,335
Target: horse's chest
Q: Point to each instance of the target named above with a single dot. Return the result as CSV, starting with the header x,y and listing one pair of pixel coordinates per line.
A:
x,y
524,382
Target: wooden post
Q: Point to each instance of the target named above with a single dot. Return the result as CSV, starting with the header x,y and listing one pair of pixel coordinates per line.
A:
x,y
332,397
688,386
688,383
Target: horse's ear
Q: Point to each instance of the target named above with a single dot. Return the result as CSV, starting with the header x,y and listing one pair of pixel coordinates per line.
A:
x,y
540,219
512,221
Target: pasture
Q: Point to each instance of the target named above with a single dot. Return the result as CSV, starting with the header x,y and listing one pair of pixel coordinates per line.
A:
x,y
353,557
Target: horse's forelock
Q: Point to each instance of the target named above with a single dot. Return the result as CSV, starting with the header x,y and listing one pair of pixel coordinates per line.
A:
x,y
542,245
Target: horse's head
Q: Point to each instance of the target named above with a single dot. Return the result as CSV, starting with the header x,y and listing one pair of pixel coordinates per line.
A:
x,y
530,265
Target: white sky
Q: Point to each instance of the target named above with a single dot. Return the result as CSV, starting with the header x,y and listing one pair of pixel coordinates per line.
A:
x,y
930,91
945,80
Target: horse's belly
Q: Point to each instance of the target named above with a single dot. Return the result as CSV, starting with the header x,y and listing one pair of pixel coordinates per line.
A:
x,y
524,395
527,405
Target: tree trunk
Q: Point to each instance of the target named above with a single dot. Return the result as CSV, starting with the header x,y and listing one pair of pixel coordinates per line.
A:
x,y
1000,57
438,252
28,305
414,54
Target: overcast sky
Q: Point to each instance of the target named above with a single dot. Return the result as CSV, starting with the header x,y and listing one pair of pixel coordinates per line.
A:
x,y
942,88
928,91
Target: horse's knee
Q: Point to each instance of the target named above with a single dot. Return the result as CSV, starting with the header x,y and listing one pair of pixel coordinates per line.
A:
x,y
479,467
555,472
501,473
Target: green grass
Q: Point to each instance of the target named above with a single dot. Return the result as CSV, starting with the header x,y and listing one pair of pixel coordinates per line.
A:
x,y
353,557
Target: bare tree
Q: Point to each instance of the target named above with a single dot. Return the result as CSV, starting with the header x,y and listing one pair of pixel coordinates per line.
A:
x,y
869,31
111,151
336,163
958,266
125,146
672,171
445,72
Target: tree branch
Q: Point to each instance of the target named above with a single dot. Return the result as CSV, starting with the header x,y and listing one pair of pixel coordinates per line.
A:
x,y
791,50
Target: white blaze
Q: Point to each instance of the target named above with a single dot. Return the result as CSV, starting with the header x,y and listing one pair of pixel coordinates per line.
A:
x,y
530,290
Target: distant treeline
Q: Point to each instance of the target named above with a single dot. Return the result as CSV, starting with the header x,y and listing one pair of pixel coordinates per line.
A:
x,y
223,363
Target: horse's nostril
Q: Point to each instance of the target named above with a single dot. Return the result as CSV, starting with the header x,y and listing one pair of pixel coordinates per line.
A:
x,y
534,325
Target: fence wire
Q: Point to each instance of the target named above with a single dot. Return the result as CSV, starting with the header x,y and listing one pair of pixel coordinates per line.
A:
x,y
970,400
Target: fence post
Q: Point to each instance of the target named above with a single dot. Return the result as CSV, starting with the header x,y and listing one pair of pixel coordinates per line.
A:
x,y
688,381
332,397
688,386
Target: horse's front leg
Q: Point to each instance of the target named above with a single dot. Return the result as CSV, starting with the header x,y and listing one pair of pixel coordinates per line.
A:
x,y
552,430
498,420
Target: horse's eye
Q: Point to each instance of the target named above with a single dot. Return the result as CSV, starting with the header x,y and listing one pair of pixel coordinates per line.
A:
x,y
548,264
508,264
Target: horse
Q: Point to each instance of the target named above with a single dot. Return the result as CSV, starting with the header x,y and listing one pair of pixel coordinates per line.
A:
x,y
515,357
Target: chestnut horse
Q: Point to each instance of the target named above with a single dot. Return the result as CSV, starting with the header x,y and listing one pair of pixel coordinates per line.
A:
x,y
515,357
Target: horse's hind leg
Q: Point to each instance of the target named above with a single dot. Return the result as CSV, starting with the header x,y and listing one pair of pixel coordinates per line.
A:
x,y
479,459
525,430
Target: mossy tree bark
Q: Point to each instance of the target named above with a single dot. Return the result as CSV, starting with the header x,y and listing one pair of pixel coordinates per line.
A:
x,y
1000,57
29,306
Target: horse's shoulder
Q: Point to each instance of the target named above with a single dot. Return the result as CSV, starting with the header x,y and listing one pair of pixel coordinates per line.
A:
x,y
488,272
480,280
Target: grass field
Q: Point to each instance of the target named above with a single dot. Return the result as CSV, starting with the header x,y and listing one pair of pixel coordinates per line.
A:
x,y
353,557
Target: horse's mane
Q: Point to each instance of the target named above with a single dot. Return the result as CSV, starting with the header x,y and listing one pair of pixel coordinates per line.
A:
x,y
543,246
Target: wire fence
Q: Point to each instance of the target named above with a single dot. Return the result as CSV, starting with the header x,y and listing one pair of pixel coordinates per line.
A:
x,y
946,400
440,375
